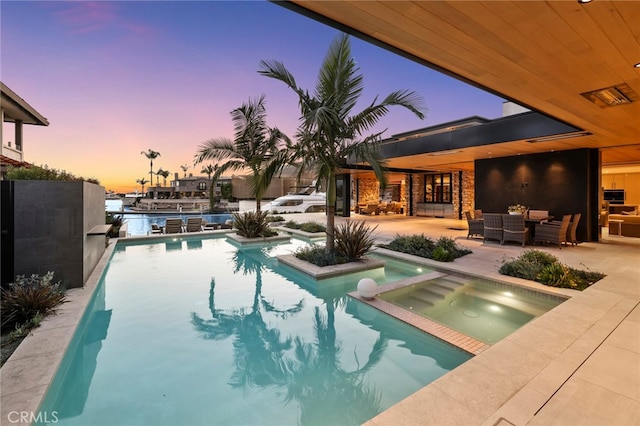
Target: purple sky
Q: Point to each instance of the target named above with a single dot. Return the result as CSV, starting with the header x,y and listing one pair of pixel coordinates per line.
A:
x,y
118,78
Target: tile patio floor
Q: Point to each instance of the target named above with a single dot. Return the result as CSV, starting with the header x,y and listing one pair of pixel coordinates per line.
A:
x,y
576,365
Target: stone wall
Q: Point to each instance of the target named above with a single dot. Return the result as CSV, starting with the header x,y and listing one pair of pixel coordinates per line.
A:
x,y
50,222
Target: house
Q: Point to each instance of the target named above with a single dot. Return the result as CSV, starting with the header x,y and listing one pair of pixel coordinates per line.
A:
x,y
581,104
14,109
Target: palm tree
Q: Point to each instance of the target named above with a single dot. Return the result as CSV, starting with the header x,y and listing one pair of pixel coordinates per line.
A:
x,y
184,168
151,155
209,170
255,146
142,182
329,133
165,174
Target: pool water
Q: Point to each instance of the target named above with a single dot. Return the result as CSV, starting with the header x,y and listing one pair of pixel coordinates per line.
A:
x,y
194,331
485,310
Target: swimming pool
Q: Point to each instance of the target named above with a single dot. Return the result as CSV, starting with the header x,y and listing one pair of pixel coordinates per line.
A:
x,y
192,330
483,309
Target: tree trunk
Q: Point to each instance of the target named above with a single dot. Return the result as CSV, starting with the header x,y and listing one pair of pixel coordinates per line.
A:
x,y
212,197
331,211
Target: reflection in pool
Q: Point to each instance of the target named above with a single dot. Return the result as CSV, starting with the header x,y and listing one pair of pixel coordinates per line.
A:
x,y
194,331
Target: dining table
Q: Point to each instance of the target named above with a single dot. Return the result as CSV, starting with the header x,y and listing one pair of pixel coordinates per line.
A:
x,y
531,223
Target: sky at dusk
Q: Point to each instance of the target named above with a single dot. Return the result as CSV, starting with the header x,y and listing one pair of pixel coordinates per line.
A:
x,y
118,78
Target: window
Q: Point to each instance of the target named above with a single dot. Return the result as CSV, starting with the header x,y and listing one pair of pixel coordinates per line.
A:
x,y
202,186
438,188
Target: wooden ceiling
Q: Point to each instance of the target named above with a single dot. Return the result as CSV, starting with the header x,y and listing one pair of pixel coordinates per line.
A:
x,y
540,54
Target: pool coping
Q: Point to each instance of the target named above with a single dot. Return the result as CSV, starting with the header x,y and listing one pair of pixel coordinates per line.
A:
x,y
322,272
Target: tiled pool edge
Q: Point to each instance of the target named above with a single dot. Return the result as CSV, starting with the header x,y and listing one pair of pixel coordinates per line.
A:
x,y
28,373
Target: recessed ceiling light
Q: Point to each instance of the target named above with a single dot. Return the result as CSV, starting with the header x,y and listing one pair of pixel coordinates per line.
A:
x,y
559,136
584,1
637,65
448,152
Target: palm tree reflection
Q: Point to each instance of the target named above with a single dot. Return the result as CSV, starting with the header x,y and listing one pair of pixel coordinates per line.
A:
x,y
309,373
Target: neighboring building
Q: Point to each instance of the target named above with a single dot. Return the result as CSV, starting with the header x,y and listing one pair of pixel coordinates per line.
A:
x,y
14,109
187,187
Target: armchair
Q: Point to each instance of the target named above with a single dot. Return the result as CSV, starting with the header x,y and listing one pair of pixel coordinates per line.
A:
x,y
552,232
492,226
514,229
476,226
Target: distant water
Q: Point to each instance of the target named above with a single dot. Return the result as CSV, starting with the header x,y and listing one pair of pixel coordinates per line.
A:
x,y
140,224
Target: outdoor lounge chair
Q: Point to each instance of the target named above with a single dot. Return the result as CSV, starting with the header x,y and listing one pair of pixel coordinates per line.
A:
x,y
228,224
476,226
211,226
194,224
514,229
173,226
371,208
492,226
156,229
571,232
552,232
391,207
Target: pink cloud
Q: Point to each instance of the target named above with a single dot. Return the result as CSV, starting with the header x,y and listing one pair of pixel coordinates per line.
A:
x,y
94,16
84,17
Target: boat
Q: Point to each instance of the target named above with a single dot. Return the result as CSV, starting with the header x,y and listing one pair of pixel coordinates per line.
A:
x,y
305,200
130,198
110,195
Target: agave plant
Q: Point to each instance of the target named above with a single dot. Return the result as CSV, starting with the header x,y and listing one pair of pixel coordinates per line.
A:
x,y
29,297
353,239
253,224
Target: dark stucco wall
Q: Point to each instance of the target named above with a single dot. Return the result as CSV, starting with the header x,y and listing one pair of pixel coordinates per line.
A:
x,y
50,224
565,182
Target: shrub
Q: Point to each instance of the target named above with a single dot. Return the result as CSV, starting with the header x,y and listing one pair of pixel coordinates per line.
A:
x,y
441,254
253,224
43,173
292,225
584,279
528,265
27,298
538,256
448,245
271,219
353,239
320,256
312,227
418,245
444,249
556,275
536,265
115,221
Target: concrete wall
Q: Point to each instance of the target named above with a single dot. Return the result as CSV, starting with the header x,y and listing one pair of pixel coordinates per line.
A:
x,y
51,220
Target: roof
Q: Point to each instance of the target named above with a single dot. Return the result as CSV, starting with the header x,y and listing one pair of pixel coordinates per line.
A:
x,y
17,109
544,55
10,161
